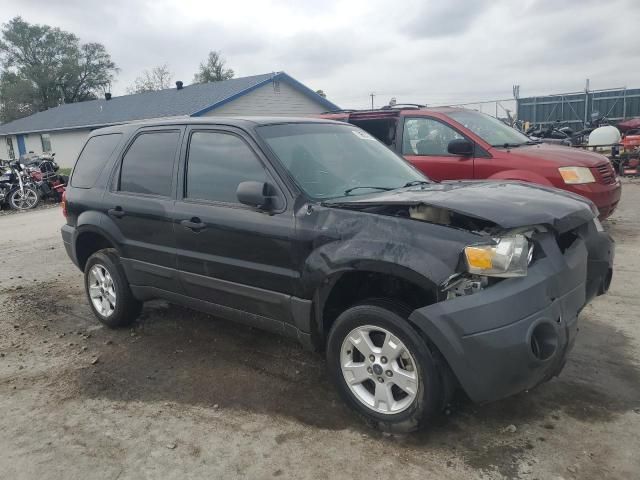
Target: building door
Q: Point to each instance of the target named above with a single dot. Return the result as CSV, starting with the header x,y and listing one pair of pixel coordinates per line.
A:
x,y
21,148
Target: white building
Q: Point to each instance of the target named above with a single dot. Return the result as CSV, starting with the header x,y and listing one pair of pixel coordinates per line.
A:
x,y
64,129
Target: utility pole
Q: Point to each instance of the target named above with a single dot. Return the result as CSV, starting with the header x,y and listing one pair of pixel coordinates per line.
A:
x,y
372,94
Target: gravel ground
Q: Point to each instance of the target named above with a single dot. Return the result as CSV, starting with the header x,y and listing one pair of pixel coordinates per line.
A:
x,y
184,395
43,204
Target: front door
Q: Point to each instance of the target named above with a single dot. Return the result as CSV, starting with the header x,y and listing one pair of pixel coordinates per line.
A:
x,y
424,144
141,204
231,254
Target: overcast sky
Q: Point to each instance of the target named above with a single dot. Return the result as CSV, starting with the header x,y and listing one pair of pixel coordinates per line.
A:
x,y
435,51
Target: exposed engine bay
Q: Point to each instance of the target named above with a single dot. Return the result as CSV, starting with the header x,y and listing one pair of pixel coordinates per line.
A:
x,y
427,213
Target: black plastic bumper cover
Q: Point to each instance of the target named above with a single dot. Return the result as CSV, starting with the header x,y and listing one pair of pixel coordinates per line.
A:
x,y
487,337
68,233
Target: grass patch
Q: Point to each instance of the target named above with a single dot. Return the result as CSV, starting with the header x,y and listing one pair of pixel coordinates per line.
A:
x,y
64,171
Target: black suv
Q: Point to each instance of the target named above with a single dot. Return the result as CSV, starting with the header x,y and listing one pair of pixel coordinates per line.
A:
x,y
315,230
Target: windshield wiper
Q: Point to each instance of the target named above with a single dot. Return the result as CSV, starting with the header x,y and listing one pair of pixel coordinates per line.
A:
x,y
349,190
413,183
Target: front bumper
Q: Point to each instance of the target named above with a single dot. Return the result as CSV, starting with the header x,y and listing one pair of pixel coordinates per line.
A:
x,y
605,196
516,334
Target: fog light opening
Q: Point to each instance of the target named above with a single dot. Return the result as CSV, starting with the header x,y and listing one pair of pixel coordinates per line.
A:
x,y
544,341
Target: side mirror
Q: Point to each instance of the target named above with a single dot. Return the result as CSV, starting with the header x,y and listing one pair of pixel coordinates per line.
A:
x,y
256,194
461,147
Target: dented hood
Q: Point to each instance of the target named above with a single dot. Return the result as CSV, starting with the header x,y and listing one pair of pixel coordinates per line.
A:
x,y
506,204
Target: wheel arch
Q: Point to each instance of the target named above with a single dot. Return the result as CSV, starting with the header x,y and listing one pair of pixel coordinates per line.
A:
x,y
348,286
89,239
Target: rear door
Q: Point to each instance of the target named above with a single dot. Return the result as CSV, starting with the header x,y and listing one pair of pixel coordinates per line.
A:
x,y
141,202
424,144
231,254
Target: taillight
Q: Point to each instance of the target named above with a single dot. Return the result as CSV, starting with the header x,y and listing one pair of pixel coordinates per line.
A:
x,y
63,203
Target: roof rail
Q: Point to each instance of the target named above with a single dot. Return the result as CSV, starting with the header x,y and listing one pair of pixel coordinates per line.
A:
x,y
341,110
414,106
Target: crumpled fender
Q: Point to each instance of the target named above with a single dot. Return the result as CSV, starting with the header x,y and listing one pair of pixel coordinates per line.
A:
x,y
422,253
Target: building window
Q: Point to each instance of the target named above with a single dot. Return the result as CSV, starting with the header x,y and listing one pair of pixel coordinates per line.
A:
x,y
12,154
276,86
45,138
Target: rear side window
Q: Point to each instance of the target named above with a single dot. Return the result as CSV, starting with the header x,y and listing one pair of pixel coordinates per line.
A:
x,y
93,158
147,167
217,164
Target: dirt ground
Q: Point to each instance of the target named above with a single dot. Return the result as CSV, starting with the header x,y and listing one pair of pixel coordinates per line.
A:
x,y
184,395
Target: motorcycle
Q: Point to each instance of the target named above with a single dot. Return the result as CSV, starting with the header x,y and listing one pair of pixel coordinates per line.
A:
x,y
43,171
565,135
16,187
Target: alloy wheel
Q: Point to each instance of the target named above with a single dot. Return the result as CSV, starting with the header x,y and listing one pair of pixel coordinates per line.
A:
x,y
101,290
379,369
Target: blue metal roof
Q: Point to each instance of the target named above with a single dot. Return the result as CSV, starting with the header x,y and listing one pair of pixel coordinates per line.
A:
x,y
192,100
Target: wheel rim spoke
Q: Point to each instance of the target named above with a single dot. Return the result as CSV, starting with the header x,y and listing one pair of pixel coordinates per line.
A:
x,y
404,380
391,348
356,373
111,297
383,399
362,341
94,291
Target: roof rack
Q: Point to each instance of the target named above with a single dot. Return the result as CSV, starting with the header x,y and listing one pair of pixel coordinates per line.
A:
x,y
342,110
414,106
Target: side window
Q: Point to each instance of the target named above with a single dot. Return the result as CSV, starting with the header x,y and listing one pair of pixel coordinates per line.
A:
x,y
217,163
93,158
426,136
147,167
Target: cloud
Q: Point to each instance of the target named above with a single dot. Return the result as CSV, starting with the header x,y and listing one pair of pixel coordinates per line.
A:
x,y
444,18
428,52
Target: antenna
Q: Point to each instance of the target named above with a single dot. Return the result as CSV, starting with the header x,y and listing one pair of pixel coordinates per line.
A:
x,y
372,94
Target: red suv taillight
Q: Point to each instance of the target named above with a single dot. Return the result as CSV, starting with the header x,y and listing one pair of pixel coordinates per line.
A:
x,y
63,203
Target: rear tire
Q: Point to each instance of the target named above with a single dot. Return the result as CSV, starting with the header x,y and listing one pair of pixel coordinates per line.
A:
x,y
108,291
412,377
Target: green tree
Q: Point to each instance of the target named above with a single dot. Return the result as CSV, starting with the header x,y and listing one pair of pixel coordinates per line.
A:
x,y
59,68
321,93
212,70
17,97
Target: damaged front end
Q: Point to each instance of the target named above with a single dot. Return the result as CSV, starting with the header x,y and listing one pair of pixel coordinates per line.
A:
x,y
506,316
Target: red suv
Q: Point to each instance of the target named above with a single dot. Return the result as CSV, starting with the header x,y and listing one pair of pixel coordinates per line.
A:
x,y
454,143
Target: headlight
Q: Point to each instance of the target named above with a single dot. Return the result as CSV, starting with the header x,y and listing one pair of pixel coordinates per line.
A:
x,y
576,175
508,258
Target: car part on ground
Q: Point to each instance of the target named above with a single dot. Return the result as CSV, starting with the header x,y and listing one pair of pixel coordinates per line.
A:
x,y
319,232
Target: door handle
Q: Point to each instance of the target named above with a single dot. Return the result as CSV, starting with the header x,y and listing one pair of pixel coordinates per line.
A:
x,y
117,212
195,224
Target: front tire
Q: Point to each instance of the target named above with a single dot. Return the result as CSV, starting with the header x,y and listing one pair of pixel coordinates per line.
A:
x,y
382,368
108,291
